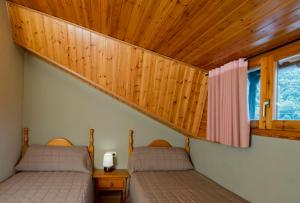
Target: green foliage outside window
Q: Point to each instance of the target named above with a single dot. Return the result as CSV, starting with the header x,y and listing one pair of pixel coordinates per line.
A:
x,y
288,92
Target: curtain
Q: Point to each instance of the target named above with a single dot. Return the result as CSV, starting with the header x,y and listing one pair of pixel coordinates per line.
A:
x,y
228,121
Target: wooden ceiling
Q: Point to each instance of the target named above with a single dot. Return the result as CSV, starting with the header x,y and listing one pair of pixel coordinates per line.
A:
x,y
199,32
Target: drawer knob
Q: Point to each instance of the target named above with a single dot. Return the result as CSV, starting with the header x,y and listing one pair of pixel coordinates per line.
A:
x,y
111,184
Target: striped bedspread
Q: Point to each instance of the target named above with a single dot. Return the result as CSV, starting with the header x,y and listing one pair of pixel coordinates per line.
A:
x,y
54,187
177,187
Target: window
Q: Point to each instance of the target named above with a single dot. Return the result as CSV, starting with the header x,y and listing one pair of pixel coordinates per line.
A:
x,y
288,89
254,93
274,92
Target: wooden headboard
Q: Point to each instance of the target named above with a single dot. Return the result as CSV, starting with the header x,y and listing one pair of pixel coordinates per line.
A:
x,y
61,141
157,143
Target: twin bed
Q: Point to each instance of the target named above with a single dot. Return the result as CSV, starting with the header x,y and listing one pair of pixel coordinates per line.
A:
x,y
162,173
57,172
61,172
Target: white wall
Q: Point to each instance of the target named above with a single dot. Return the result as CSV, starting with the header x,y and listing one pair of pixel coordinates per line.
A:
x,y
11,93
58,104
268,171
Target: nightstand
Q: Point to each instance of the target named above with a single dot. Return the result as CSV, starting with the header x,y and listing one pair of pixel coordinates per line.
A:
x,y
111,181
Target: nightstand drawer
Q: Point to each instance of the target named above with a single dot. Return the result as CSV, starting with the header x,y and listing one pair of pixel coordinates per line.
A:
x,y
110,183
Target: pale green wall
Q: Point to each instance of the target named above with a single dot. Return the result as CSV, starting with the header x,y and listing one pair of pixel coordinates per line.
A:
x,y
11,93
268,171
58,104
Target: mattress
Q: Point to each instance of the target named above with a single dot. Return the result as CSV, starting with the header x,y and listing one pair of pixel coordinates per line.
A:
x,y
54,187
177,186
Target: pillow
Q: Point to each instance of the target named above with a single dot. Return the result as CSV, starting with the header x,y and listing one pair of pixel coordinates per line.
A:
x,y
159,159
50,158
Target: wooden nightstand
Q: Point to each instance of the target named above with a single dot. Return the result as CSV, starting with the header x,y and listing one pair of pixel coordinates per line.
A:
x,y
111,181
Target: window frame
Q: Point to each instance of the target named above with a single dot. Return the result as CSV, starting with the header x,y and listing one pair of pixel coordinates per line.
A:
x,y
268,126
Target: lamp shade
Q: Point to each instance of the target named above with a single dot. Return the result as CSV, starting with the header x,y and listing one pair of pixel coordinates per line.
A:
x,y
108,160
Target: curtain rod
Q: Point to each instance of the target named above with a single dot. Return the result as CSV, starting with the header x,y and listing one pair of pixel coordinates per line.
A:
x,y
245,59
269,50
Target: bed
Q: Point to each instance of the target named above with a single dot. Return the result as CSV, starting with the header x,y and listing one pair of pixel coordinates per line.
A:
x,y
162,173
58,172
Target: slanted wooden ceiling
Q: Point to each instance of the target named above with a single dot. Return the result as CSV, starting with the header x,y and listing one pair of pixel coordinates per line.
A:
x,y
204,33
169,91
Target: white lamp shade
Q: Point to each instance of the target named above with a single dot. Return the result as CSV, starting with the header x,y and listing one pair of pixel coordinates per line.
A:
x,y
108,160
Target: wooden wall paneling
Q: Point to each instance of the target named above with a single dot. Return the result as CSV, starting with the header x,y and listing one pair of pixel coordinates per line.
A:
x,y
203,125
65,46
167,90
125,70
186,83
87,55
161,91
94,71
200,106
57,43
130,75
174,111
190,112
157,84
202,33
35,29
26,25
138,61
170,89
145,80
71,41
100,60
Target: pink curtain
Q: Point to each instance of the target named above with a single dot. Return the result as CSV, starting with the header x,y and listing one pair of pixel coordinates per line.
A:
x,y
228,121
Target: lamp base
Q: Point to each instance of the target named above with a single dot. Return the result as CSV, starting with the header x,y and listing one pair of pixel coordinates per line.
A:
x,y
108,169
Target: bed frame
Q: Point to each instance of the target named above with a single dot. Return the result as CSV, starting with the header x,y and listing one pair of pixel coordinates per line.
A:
x,y
157,143
61,141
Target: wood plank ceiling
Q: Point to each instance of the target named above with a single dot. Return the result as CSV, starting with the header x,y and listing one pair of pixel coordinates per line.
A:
x,y
170,91
199,32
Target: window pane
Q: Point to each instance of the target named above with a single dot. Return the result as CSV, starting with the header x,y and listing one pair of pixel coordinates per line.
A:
x,y
288,89
254,93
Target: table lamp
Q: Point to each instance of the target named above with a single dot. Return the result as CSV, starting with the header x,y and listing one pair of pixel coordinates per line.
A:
x,y
108,161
